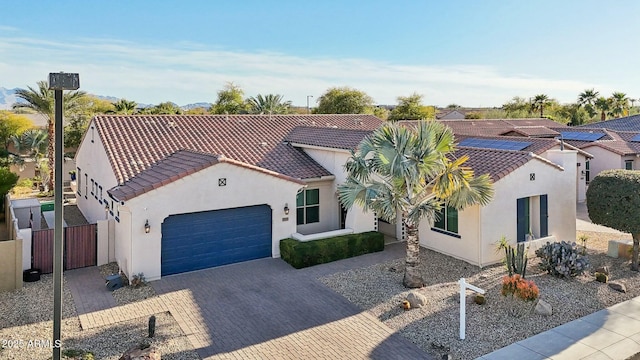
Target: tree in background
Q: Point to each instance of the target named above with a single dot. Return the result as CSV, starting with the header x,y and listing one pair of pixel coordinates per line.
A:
x,y
12,125
517,107
269,104
344,100
381,112
164,108
41,100
8,180
230,100
587,99
77,121
414,171
32,143
603,105
411,108
573,114
613,200
539,103
125,107
619,104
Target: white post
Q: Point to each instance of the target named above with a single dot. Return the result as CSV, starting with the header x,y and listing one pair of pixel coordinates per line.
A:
x,y
463,303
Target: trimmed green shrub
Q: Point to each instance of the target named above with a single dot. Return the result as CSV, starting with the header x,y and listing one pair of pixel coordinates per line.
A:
x,y
301,254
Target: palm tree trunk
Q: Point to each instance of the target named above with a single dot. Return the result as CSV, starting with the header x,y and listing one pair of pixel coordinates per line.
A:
x,y
634,255
412,277
50,152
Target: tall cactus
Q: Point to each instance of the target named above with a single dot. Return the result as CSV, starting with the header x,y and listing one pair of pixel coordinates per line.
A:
x,y
516,260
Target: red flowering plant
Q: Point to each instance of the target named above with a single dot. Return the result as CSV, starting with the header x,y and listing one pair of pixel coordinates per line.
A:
x,y
519,287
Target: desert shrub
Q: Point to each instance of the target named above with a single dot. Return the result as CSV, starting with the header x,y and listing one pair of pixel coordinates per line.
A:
x,y
562,259
519,287
138,280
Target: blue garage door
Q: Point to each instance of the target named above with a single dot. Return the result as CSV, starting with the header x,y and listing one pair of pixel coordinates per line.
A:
x,y
212,238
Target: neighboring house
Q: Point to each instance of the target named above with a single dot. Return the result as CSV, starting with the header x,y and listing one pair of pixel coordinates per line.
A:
x,y
450,115
190,192
627,123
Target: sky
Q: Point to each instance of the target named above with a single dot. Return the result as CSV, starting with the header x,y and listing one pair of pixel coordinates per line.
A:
x,y
471,53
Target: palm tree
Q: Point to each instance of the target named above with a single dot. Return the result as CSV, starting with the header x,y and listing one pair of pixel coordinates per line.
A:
x,y
619,104
32,142
268,104
42,100
413,171
125,107
587,98
603,104
539,102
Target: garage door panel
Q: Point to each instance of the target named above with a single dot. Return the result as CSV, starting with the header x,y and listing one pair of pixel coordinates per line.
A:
x,y
213,238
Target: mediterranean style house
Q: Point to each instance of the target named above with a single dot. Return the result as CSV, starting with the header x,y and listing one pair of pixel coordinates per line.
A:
x,y
181,193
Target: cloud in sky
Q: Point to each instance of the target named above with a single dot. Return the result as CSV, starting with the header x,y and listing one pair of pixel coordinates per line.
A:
x,y
188,72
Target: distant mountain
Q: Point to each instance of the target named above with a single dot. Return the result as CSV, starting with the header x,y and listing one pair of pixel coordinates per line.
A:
x,y
8,98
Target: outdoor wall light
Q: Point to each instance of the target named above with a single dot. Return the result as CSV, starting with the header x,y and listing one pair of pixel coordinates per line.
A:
x,y
106,207
147,227
286,209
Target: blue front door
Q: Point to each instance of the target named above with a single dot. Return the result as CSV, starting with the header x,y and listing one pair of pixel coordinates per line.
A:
x,y
206,239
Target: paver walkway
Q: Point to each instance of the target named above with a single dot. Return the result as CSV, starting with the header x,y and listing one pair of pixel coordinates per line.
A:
x,y
265,309
88,289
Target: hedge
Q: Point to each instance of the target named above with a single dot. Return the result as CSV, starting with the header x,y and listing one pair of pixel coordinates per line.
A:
x,y
301,254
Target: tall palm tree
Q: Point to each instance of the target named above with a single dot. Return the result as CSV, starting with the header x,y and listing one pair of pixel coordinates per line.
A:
x,y
587,98
413,171
42,101
603,105
619,104
539,102
125,107
268,104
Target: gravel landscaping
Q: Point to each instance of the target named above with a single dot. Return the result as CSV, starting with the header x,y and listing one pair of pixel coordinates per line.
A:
x,y
502,320
127,294
26,328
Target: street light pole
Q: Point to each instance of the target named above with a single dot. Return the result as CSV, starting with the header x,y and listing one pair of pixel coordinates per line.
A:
x,y
308,107
59,82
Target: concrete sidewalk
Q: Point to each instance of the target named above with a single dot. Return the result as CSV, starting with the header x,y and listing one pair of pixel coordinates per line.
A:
x,y
609,334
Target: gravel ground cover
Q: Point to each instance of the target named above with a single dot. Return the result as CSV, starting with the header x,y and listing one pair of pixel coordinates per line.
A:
x,y
502,320
26,328
127,294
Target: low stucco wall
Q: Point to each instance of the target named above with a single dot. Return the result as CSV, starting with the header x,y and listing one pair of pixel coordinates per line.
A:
x,y
10,265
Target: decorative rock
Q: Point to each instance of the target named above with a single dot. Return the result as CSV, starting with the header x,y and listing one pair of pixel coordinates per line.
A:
x,y
406,305
618,286
602,277
480,299
603,270
135,353
416,300
543,308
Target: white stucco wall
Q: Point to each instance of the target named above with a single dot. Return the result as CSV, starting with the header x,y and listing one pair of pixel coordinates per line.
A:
x,y
581,180
481,227
603,160
92,161
194,193
332,160
465,247
499,216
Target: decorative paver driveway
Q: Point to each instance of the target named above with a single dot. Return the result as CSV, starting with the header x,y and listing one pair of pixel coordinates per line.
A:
x,y
265,309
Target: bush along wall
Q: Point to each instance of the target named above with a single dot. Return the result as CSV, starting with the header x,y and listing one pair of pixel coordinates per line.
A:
x,y
301,254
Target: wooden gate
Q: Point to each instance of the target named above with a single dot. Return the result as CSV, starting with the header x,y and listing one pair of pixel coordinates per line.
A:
x,y
80,248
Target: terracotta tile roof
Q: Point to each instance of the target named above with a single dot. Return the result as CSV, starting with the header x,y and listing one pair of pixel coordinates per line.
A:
x,y
628,123
496,163
494,127
133,143
619,147
174,167
532,131
327,137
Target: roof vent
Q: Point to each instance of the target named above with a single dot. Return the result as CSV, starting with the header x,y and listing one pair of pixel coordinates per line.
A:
x,y
357,121
171,123
313,123
263,143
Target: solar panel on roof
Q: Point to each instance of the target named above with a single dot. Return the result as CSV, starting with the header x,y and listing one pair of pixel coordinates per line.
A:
x,y
636,138
494,144
581,136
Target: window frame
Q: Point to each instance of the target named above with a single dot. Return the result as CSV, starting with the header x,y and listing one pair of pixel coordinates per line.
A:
x,y
304,208
628,164
445,215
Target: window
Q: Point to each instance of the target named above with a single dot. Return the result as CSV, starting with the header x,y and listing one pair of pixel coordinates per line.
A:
x,y
587,174
308,206
86,185
447,220
628,164
532,217
100,191
93,187
79,181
